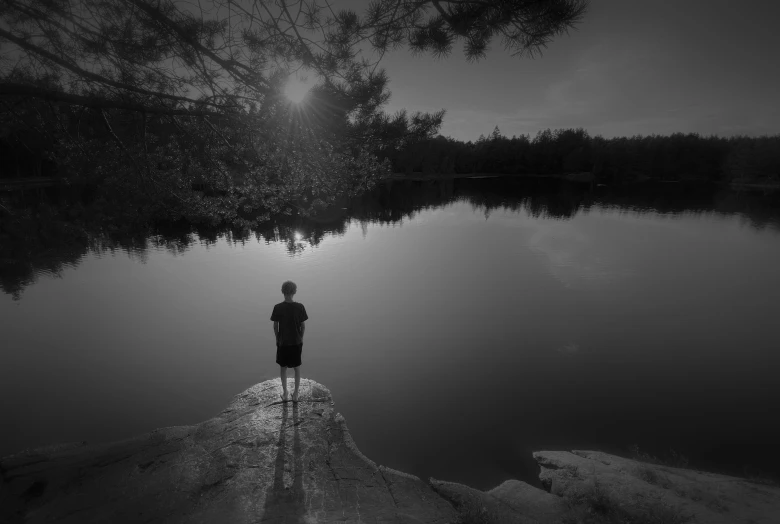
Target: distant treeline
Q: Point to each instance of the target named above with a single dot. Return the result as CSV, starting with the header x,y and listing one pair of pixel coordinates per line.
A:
x,y
44,232
675,157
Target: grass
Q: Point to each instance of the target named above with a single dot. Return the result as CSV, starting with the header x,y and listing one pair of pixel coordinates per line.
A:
x,y
673,459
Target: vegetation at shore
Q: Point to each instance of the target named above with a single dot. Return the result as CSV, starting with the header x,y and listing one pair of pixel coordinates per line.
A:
x,y
53,228
151,113
174,110
667,158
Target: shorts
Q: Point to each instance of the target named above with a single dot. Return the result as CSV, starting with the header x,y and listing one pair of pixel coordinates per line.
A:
x,y
289,356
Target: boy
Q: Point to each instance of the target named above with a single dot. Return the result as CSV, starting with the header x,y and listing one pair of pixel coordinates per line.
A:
x,y
289,317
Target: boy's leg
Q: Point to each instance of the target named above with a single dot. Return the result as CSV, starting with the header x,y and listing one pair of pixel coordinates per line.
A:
x,y
283,373
297,382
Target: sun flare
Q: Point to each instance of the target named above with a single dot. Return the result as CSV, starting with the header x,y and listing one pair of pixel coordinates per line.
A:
x,y
296,90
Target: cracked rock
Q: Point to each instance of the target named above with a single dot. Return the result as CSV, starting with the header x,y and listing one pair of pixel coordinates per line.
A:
x,y
263,460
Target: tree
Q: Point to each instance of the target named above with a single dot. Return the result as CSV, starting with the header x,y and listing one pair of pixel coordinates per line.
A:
x,y
149,96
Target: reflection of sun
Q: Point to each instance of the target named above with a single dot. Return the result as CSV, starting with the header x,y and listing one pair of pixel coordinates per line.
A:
x,y
298,236
296,89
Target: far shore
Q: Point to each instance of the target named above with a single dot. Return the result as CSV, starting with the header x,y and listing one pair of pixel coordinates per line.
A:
x,y
586,177
576,177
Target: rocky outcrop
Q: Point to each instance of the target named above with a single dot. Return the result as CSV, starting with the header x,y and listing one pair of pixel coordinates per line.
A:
x,y
595,487
607,483
513,502
260,460
264,460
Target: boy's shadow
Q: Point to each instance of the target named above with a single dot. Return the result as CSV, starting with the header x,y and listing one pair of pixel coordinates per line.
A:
x,y
287,504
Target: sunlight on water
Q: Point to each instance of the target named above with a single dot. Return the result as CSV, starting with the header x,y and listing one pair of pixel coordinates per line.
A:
x,y
514,331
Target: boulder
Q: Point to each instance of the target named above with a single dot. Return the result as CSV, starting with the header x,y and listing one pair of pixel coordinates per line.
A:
x,y
266,461
603,483
512,502
260,460
595,487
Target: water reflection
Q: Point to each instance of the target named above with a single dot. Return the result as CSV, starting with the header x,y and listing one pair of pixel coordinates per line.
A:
x,y
516,334
574,260
46,241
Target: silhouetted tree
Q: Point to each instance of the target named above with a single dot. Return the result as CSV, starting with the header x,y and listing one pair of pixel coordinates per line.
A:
x,y
151,96
622,159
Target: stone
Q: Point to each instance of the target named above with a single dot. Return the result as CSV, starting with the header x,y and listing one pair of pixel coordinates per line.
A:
x,y
595,487
260,460
512,502
266,461
641,489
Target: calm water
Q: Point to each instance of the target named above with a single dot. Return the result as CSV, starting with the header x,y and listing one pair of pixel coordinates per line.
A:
x,y
460,326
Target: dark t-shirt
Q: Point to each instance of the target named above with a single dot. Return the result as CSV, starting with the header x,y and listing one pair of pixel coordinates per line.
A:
x,y
290,316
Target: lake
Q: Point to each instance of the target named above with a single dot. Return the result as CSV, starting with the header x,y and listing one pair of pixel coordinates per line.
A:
x,y
459,324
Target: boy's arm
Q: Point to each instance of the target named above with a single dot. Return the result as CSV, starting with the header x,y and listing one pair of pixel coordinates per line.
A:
x,y
276,331
303,329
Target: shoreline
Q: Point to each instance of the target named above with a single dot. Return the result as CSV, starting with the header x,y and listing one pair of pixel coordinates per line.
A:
x,y
586,177
577,177
264,459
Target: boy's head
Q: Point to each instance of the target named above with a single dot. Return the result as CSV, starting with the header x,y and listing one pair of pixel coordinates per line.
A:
x,y
289,288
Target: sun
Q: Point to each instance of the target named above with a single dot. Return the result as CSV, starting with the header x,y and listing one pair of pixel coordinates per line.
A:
x,y
296,89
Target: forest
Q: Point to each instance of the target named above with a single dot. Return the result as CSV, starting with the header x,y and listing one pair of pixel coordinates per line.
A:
x,y
92,100
674,157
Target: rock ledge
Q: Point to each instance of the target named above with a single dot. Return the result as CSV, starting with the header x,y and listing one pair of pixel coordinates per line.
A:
x,y
264,460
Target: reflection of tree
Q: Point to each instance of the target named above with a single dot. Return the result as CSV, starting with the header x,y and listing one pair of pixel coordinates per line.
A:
x,y
57,232
151,99
286,502
34,240
15,275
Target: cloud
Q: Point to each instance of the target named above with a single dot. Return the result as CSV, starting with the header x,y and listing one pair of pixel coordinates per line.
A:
x,y
569,349
603,85
638,87
574,260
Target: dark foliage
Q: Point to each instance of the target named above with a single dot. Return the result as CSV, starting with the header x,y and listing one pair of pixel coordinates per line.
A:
x,y
147,98
669,158
44,231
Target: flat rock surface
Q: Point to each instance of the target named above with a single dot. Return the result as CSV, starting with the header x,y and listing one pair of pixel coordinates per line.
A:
x,y
260,460
641,488
266,461
512,502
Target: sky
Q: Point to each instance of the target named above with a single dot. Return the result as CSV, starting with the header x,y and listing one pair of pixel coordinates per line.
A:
x,y
629,68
